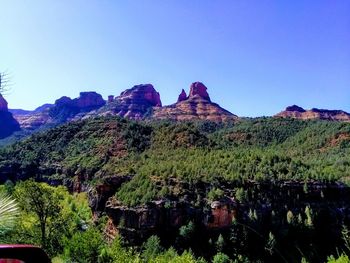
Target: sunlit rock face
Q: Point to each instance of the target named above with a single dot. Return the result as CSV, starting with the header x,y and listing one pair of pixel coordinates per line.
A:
x,y
135,103
297,112
197,106
198,88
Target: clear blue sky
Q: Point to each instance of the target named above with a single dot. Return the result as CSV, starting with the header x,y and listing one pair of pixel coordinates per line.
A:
x,y
255,57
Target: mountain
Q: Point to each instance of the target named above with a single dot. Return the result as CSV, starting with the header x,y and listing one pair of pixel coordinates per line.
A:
x,y
32,120
64,109
135,103
271,174
143,102
297,112
196,106
8,125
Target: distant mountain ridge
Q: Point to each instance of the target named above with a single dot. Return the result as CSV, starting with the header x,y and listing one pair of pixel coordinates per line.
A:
x,y
297,112
137,103
144,102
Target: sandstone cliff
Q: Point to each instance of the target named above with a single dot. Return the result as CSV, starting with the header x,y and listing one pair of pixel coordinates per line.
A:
x,y
322,114
197,106
134,103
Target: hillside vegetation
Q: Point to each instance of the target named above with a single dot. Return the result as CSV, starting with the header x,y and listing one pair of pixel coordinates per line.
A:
x,y
152,153
287,178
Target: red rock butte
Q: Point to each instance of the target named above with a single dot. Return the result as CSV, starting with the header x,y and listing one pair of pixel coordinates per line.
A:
x,y
198,88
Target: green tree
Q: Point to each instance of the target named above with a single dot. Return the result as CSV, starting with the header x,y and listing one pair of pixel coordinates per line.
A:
x,y
220,243
221,258
43,202
151,248
84,246
187,231
290,217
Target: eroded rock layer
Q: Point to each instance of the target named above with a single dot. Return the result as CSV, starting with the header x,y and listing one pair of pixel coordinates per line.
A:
x,y
322,114
197,106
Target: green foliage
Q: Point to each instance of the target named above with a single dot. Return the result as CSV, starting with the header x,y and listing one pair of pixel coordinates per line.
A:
x,y
48,216
220,243
341,259
241,195
221,258
309,216
187,231
215,194
43,202
84,246
151,248
115,252
290,217
139,190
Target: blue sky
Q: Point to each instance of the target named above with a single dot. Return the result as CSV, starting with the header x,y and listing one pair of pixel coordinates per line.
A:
x,y
255,57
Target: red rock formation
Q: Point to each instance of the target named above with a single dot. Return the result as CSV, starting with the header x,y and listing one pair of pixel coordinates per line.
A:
x,y
63,101
222,214
196,107
3,104
297,112
182,96
89,99
110,98
134,103
198,88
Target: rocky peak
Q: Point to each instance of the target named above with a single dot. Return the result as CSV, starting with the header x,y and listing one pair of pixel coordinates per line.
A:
x,y
63,101
197,106
198,88
295,108
133,103
182,96
3,104
142,92
89,99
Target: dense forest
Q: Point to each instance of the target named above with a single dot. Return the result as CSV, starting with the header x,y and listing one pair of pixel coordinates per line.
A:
x,y
286,181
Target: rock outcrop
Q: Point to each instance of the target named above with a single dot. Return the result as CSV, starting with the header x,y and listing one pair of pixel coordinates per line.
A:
x,y
64,109
135,103
3,104
31,120
86,100
182,96
198,88
322,114
8,124
197,106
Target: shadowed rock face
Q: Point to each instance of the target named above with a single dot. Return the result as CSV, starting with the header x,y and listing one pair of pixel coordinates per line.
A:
x,y
197,106
322,114
63,109
182,96
86,100
8,124
3,104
